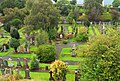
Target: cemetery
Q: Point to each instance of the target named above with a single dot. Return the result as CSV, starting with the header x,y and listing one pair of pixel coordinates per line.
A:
x,y
59,40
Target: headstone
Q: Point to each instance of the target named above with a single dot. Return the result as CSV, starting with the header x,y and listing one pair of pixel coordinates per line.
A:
x,y
37,64
31,40
73,54
76,77
46,68
19,65
2,69
51,78
1,61
25,63
27,74
61,36
21,49
4,48
11,64
25,50
5,63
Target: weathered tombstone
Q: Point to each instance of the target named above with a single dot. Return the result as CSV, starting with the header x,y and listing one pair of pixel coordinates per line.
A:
x,y
73,48
1,61
21,49
31,40
27,74
37,64
2,69
11,64
46,67
61,36
76,77
19,65
51,78
5,63
25,50
4,48
25,63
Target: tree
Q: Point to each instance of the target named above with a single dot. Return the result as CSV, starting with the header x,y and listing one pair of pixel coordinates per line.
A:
x,y
64,6
16,23
7,27
42,38
52,34
116,3
15,3
102,56
14,43
43,15
94,9
14,33
73,2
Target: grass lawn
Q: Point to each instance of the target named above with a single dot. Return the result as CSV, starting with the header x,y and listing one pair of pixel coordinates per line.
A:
x,y
21,55
5,53
97,31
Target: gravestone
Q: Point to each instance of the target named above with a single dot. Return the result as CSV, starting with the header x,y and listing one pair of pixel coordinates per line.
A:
x,y
21,49
5,63
37,64
46,67
25,63
2,69
4,47
1,61
27,74
25,50
51,78
76,77
19,65
73,48
61,36
11,64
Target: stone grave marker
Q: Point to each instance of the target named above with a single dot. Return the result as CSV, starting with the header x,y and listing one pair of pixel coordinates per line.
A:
x,y
27,74
5,63
19,65
25,63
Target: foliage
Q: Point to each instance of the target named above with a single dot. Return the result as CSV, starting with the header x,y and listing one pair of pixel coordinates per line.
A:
x,y
16,23
52,34
7,27
116,3
106,17
64,6
73,2
65,41
14,13
94,9
15,3
14,43
102,59
82,36
42,38
14,33
43,15
87,23
83,17
59,69
33,64
46,53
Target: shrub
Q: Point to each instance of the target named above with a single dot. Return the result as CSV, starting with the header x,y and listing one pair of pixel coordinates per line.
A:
x,y
33,64
7,27
52,34
16,23
87,23
59,69
14,43
14,33
65,41
103,55
42,38
46,53
82,37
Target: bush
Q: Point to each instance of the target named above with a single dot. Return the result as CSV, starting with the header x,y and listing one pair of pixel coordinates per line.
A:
x,y
42,38
14,43
82,37
103,59
7,27
65,41
46,53
33,64
59,69
16,23
87,23
14,33
52,34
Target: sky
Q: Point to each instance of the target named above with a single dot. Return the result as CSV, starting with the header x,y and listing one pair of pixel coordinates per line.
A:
x,y
105,1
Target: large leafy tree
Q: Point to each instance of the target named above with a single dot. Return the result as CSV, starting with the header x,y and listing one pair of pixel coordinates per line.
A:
x,y
12,4
43,15
102,59
116,3
94,9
